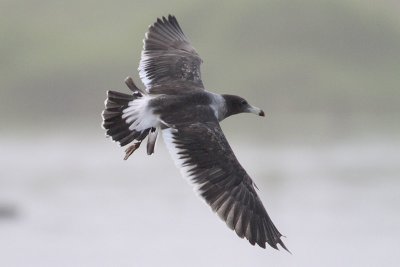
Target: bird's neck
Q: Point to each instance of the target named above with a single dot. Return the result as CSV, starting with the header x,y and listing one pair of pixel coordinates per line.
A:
x,y
218,105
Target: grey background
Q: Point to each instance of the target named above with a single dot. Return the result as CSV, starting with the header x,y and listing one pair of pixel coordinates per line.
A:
x,y
325,159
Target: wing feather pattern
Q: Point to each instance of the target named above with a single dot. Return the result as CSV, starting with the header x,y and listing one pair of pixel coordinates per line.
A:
x,y
168,61
204,156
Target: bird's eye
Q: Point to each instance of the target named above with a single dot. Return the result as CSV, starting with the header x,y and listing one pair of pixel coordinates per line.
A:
x,y
244,102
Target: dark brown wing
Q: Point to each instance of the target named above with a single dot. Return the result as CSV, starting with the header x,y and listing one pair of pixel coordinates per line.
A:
x,y
168,60
204,156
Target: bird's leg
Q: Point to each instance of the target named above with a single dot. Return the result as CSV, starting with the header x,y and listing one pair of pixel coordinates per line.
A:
x,y
132,86
131,149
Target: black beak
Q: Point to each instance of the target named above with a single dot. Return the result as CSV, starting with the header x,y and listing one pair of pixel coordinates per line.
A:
x,y
262,114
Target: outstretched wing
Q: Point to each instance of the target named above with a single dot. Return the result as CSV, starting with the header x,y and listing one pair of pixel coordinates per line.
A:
x,y
204,156
168,60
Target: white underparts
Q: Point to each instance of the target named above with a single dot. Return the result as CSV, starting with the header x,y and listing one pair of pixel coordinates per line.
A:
x,y
139,115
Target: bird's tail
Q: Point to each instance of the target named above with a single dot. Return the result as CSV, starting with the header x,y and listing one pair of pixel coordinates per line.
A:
x,y
115,125
127,118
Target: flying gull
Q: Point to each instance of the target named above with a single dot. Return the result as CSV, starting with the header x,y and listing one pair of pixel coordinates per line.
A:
x,y
175,103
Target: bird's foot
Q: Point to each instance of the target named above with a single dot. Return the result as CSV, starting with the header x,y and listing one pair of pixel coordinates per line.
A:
x,y
129,151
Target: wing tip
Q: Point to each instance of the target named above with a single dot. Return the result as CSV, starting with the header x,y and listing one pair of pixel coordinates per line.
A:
x,y
280,242
169,22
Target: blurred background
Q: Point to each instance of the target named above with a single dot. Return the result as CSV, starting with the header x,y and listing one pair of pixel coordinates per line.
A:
x,y
326,158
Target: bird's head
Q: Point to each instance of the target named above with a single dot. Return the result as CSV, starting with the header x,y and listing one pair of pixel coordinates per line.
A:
x,y
236,104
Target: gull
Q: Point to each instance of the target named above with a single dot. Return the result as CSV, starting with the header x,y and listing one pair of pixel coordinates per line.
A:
x,y
176,104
